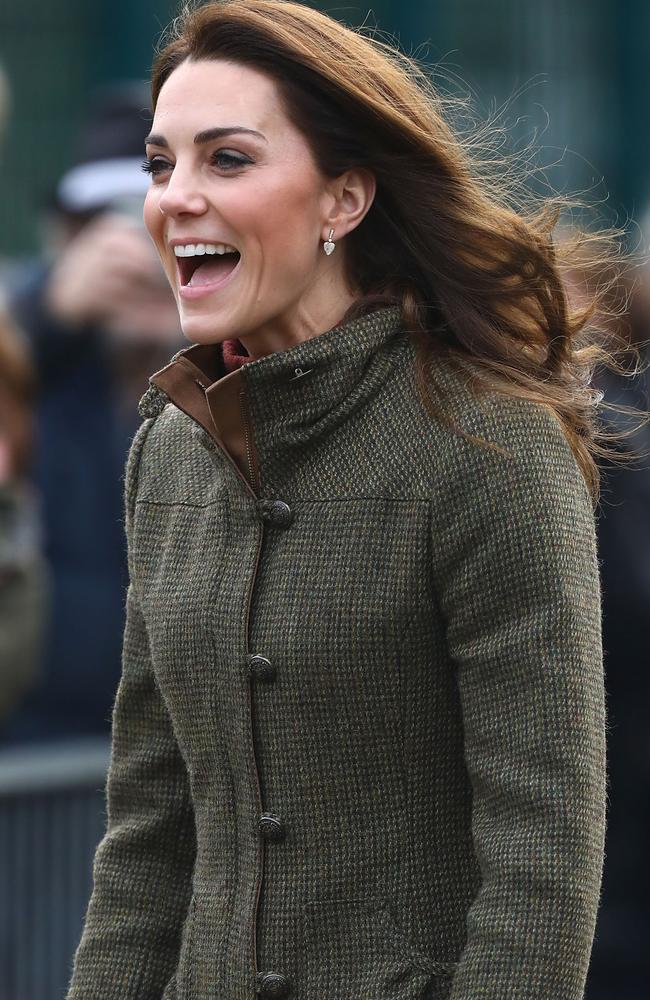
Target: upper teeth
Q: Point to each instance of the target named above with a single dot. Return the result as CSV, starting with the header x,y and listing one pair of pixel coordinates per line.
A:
x,y
196,249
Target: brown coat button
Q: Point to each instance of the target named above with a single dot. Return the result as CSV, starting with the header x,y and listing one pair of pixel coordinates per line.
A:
x,y
260,668
271,827
275,512
273,985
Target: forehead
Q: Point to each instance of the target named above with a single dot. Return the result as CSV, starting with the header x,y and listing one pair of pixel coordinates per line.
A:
x,y
210,93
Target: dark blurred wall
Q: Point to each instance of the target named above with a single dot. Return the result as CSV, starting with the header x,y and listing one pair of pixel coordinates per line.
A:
x,y
46,49
583,64
54,53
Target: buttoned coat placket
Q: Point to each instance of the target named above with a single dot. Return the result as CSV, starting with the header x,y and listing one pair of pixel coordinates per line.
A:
x,y
221,410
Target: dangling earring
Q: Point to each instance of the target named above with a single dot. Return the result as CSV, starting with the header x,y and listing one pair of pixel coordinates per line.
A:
x,y
328,246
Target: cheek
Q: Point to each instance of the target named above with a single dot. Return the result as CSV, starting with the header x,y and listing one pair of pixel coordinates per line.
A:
x,y
288,227
152,217
283,210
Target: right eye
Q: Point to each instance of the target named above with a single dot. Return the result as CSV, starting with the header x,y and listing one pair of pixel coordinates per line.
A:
x,y
155,165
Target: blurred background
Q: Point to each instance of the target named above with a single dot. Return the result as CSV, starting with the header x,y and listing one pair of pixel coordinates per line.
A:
x,y
85,317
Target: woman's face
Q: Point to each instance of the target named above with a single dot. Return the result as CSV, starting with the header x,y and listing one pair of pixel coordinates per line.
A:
x,y
229,168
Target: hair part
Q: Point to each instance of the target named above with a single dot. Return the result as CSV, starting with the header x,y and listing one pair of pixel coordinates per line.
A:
x,y
452,237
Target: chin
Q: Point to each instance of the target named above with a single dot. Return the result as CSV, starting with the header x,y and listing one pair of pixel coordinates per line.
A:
x,y
205,329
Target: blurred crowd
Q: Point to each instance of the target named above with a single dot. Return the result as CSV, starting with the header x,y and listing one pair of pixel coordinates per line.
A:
x,y
82,326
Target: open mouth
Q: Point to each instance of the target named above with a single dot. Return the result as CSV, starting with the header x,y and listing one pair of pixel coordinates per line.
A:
x,y
206,270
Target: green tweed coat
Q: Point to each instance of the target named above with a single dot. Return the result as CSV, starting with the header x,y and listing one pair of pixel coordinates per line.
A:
x,y
358,744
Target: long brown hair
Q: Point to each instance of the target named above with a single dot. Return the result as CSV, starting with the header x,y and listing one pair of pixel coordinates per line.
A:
x,y
17,392
449,235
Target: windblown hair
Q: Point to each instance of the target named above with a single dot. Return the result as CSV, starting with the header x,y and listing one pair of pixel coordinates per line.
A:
x,y
17,393
449,235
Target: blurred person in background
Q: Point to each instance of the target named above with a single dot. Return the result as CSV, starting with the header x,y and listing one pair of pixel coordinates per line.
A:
x,y
23,576
620,967
98,315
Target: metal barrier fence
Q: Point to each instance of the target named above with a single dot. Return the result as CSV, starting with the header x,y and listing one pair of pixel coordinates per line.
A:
x,y
52,816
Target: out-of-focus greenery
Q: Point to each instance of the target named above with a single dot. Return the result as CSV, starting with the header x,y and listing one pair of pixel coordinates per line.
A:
x,y
580,70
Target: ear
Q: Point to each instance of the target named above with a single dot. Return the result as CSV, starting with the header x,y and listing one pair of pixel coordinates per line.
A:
x,y
351,196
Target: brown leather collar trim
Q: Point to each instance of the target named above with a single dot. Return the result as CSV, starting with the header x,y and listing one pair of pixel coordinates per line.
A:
x,y
216,407
185,385
220,407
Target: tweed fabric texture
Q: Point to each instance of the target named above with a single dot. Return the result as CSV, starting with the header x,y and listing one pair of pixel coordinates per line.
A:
x,y
433,740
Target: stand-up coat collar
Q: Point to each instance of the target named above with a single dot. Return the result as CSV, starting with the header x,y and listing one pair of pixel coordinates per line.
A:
x,y
293,396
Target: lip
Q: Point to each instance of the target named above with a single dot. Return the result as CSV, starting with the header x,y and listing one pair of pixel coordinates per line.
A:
x,y
188,292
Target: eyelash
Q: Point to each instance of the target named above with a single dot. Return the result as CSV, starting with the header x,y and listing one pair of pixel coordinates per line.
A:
x,y
157,165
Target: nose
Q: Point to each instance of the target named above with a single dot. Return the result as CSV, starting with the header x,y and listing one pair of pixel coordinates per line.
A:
x,y
182,194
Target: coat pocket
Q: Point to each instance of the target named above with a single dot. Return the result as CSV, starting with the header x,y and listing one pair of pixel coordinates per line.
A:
x,y
354,950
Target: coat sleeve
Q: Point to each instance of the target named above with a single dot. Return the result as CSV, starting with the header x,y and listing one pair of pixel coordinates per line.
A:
x,y
519,585
143,865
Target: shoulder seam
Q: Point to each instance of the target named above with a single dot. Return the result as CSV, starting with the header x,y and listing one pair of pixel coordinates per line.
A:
x,y
132,473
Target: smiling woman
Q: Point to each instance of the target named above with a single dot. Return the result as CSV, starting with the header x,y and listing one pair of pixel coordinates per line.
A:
x,y
358,744
228,166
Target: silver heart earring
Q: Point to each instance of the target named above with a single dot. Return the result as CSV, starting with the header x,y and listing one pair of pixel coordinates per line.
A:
x,y
328,245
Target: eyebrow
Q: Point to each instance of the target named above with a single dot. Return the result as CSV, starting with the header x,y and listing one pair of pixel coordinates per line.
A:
x,y
207,136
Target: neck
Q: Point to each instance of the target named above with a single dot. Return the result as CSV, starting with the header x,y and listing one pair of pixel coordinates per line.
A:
x,y
307,320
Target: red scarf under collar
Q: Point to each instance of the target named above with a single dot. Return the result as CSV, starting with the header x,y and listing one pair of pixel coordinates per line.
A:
x,y
234,354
